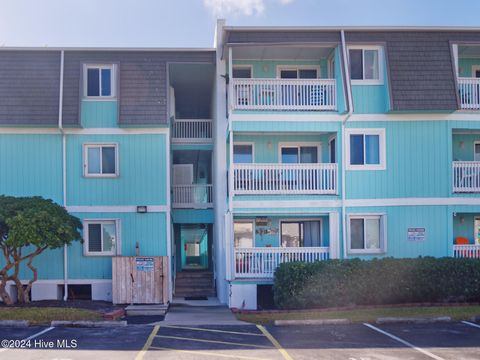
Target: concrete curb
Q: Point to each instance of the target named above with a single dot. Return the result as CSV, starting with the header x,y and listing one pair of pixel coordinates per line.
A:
x,y
88,324
15,323
476,318
415,320
311,322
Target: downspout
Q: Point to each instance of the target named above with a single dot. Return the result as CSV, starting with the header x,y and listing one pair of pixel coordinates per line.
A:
x,y
64,171
346,71
229,238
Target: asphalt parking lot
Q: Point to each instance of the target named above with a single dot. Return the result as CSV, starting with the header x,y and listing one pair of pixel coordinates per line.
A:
x,y
456,340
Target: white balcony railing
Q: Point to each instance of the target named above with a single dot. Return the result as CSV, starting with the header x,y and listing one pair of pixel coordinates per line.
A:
x,y
192,131
192,196
466,176
466,251
262,262
469,92
282,179
284,94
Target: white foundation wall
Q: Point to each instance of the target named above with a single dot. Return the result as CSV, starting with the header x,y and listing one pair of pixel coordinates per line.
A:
x,y
243,296
102,291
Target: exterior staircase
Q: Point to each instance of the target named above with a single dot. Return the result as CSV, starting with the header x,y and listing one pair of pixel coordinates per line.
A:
x,y
194,284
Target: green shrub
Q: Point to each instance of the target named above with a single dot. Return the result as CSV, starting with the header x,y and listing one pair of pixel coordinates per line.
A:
x,y
336,283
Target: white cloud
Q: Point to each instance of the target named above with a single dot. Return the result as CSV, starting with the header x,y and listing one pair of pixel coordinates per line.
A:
x,y
244,7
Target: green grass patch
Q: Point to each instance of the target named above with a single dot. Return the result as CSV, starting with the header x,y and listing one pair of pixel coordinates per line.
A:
x,y
364,315
41,316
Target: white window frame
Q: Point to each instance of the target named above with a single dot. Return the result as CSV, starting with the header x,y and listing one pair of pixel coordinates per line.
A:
x,y
383,234
113,85
380,80
244,143
281,221
118,243
330,139
297,68
382,150
331,66
475,68
244,221
87,146
243,66
475,143
298,145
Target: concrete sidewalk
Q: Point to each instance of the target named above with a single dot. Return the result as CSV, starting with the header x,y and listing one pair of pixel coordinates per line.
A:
x,y
200,315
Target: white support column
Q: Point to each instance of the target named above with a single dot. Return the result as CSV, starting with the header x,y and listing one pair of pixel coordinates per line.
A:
x,y
230,86
455,58
168,220
334,234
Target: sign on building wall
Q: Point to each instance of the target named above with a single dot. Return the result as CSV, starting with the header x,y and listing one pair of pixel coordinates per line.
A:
x,y
144,264
416,234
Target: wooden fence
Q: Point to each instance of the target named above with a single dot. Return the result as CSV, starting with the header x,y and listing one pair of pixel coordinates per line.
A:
x,y
140,279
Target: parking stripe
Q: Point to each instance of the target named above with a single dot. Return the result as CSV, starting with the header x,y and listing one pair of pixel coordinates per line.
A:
x,y
275,343
212,330
213,341
471,324
32,336
208,353
148,343
404,342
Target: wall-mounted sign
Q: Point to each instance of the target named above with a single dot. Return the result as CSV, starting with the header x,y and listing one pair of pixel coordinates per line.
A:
x,y
416,234
262,221
145,264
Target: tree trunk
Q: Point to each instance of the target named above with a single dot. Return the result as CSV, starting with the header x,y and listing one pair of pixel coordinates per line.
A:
x,y
7,300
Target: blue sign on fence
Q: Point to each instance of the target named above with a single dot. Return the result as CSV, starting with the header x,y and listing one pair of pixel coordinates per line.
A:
x,y
145,264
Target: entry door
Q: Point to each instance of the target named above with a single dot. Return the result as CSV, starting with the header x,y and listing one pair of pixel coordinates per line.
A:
x,y
300,95
476,154
194,247
477,231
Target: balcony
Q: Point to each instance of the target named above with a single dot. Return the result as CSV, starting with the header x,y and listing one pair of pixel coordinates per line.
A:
x,y
192,131
466,176
195,196
261,262
285,179
284,94
466,251
469,92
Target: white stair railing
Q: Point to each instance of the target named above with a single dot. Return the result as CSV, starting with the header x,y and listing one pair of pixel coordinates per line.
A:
x,y
284,94
466,176
466,251
192,196
284,179
192,130
261,262
469,92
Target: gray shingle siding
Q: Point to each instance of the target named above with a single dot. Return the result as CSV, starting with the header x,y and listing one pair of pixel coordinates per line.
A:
x,y
421,72
29,87
142,82
239,37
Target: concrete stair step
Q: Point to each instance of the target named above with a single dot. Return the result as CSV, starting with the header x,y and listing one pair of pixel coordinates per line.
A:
x,y
146,309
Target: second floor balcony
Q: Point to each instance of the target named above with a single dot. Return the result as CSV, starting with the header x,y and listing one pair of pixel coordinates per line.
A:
x,y
285,179
284,94
466,176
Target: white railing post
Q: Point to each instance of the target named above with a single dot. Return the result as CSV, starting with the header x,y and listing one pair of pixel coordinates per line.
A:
x,y
192,196
283,179
469,93
466,251
284,94
466,176
192,130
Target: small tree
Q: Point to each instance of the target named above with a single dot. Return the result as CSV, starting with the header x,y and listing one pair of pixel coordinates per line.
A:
x,y
29,226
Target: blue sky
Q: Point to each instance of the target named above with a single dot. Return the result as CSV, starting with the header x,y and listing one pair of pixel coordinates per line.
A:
x,y
191,23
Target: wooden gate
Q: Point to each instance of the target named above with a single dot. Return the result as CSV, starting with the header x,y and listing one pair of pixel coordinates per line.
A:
x,y
140,279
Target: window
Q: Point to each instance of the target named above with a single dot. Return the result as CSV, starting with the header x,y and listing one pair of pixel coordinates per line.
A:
x,y
242,72
476,154
298,72
366,234
332,150
99,81
243,234
304,154
301,233
243,153
366,64
100,160
366,149
101,237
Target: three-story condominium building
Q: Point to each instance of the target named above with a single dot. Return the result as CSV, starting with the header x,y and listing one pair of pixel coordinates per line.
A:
x,y
276,145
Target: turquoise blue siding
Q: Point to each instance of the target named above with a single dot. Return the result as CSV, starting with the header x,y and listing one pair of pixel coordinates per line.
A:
x,y
190,216
418,162
99,114
465,66
31,165
463,146
142,166
267,69
339,82
435,220
296,125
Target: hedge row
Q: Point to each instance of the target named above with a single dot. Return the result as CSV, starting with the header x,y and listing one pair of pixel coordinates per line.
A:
x,y
352,282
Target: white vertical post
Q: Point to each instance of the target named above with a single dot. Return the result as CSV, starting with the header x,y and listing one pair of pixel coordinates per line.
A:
x,y
334,235
230,86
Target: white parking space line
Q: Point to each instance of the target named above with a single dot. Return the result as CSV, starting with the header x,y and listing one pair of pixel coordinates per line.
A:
x,y
31,337
428,353
471,324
